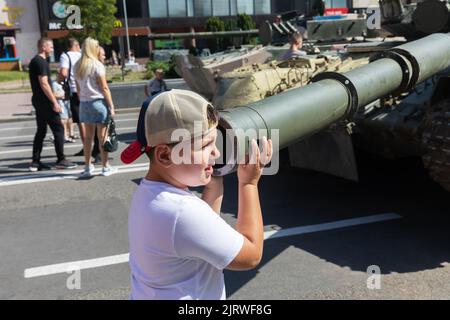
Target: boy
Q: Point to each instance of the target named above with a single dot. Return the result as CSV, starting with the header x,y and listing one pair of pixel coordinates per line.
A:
x,y
179,244
65,114
156,84
296,43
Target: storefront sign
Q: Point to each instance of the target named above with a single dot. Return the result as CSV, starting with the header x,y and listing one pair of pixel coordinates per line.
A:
x,y
59,10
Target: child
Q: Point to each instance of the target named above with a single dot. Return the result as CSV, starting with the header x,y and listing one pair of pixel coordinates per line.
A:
x,y
65,114
179,244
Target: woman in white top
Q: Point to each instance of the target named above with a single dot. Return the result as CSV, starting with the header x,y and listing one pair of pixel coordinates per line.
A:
x,y
95,103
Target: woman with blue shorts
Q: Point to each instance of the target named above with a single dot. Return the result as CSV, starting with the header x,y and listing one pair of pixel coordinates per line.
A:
x,y
95,103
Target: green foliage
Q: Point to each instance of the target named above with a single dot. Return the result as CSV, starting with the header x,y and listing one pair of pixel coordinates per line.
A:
x,y
97,19
245,22
231,25
6,76
215,24
167,66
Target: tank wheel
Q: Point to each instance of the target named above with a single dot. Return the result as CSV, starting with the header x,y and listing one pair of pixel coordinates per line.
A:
x,y
436,142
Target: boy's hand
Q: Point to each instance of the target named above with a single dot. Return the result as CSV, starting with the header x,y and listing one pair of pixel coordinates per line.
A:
x,y
250,172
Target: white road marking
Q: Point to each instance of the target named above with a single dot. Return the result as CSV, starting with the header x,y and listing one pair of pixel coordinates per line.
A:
x,y
330,226
66,146
124,258
66,267
34,127
65,175
31,136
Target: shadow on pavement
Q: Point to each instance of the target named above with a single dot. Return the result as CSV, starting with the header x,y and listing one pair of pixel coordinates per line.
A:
x,y
296,197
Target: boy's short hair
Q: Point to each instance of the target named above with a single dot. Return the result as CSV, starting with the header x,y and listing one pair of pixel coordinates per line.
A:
x,y
166,112
296,37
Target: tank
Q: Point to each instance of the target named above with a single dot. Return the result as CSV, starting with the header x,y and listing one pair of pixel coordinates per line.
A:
x,y
396,104
259,81
389,98
415,19
201,73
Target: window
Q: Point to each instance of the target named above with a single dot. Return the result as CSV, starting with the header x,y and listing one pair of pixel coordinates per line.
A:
x,y
245,6
158,8
262,6
336,3
177,8
190,8
221,7
134,9
233,7
202,8
282,6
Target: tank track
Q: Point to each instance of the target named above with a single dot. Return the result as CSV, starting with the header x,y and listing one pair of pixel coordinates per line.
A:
x,y
436,143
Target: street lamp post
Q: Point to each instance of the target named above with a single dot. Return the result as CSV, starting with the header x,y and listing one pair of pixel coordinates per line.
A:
x,y
126,28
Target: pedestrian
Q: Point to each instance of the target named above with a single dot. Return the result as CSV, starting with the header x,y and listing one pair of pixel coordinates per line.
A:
x,y
156,84
96,150
296,43
47,109
179,244
65,113
67,61
114,58
96,104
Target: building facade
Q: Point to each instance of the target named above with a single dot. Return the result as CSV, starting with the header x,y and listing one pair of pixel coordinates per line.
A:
x,y
163,16
19,32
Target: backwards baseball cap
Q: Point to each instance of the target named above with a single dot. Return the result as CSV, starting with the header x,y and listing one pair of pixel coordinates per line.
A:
x,y
164,113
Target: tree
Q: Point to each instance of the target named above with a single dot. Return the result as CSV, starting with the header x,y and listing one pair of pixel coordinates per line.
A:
x,y
215,24
97,19
231,25
245,22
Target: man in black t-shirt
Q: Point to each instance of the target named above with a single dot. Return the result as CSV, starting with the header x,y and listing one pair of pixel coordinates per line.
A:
x,y
47,108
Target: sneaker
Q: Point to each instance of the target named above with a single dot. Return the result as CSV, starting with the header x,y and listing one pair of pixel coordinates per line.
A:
x,y
107,171
38,166
65,164
88,171
69,140
79,153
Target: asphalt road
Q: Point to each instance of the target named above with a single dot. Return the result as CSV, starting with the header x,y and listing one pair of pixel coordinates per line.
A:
x,y
322,232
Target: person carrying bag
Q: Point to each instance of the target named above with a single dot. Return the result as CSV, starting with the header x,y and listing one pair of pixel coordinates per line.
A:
x,y
112,142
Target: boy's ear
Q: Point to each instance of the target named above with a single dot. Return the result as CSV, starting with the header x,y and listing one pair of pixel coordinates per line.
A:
x,y
163,155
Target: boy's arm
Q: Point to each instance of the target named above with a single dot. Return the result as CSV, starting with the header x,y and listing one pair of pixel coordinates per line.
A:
x,y
213,193
250,222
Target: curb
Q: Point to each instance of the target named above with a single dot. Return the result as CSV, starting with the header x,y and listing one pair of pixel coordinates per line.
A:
x,y
31,117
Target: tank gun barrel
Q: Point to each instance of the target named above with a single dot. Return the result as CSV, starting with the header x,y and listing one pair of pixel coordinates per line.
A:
x,y
203,35
301,112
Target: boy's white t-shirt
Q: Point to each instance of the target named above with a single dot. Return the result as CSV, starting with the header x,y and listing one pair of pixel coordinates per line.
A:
x,y
178,245
58,89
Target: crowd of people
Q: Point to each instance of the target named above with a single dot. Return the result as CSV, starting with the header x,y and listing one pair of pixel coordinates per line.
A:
x,y
78,95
